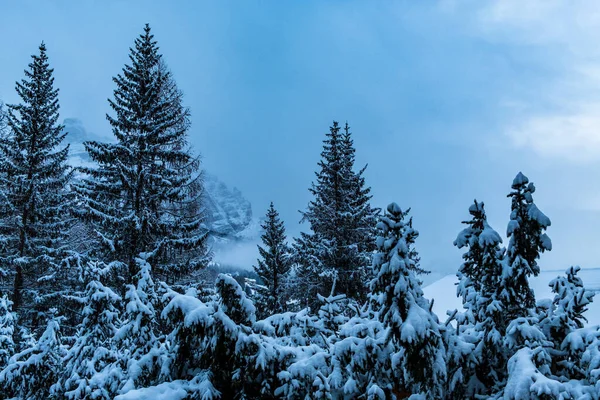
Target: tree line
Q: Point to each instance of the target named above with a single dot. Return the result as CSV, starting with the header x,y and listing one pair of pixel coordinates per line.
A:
x,y
91,261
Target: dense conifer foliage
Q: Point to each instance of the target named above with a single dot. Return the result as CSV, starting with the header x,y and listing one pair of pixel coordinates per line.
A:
x,y
398,300
89,368
339,314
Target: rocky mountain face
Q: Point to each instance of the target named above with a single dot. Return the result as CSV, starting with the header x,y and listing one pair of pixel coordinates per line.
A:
x,y
228,213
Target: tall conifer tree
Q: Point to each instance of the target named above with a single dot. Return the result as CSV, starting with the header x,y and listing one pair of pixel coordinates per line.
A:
x,y
341,222
480,278
274,265
143,198
34,176
527,240
397,298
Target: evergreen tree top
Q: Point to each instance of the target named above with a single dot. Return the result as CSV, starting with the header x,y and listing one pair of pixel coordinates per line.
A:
x,y
39,69
396,256
478,232
527,224
479,274
527,240
144,198
474,225
520,181
38,112
272,225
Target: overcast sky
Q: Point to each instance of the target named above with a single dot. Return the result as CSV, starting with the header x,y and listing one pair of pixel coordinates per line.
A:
x,y
447,100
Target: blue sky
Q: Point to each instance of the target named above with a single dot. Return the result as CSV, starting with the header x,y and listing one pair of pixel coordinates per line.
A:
x,y
447,100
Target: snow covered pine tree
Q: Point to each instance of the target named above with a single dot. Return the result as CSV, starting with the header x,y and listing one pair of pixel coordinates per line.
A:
x,y
91,368
141,349
524,342
32,373
527,240
216,345
341,222
418,361
35,206
483,369
143,198
274,266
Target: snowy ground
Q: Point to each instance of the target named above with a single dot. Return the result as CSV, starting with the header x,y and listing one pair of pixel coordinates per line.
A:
x,y
444,292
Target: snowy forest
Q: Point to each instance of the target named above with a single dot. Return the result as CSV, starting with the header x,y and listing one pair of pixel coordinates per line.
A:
x,y
100,295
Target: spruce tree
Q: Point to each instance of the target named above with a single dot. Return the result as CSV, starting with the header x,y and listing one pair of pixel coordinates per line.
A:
x,y
397,298
480,274
143,198
274,265
495,290
359,222
35,206
471,271
527,240
480,278
341,222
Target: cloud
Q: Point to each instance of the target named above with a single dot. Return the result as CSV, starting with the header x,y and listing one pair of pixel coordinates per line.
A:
x,y
542,22
572,137
557,117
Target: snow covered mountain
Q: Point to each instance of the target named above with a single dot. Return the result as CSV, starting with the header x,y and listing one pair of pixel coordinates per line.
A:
x,y
443,292
76,135
229,213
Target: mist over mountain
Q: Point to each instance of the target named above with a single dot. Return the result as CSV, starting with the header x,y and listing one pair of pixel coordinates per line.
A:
x,y
228,212
233,230
76,135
